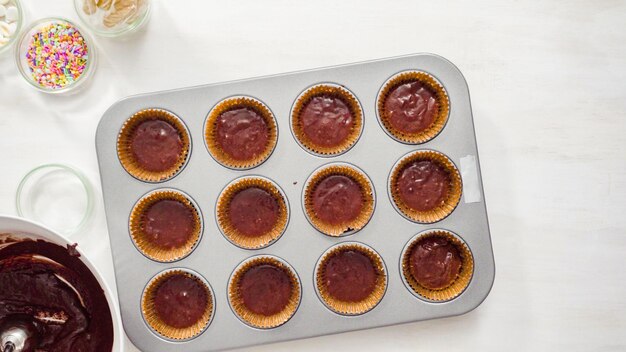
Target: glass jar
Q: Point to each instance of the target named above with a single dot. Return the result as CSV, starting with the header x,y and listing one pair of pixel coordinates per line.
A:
x,y
44,64
112,18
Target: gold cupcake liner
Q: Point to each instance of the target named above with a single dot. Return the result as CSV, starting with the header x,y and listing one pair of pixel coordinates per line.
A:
x,y
454,192
368,199
124,141
151,317
235,103
327,90
458,285
351,308
231,233
142,242
442,98
260,321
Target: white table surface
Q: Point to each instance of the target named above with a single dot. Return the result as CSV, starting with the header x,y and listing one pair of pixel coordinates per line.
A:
x,y
548,86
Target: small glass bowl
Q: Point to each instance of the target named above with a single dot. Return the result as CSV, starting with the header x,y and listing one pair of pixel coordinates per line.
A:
x,y
19,23
96,21
56,195
22,63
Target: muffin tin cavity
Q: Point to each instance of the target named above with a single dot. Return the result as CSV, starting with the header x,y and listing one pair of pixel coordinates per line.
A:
x,y
327,119
338,199
165,225
437,265
413,107
240,132
252,212
153,145
264,292
278,208
178,304
425,186
350,278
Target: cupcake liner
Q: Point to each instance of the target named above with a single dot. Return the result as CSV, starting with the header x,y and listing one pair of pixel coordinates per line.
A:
x,y
442,98
235,103
454,193
141,241
231,233
368,199
124,141
458,285
157,325
351,308
260,321
328,90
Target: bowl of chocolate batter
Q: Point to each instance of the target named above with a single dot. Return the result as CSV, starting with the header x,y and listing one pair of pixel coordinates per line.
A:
x,y
52,298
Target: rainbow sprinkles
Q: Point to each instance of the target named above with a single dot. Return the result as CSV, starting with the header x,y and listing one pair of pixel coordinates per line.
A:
x,y
57,55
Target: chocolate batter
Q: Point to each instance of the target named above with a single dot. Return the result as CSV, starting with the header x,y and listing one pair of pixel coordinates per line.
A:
x,y
350,276
435,262
253,212
423,185
168,223
411,107
49,290
337,199
265,289
180,301
156,145
326,121
242,133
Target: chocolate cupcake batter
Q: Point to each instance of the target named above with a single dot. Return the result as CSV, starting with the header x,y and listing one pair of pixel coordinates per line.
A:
x,y
180,301
49,290
350,276
156,145
242,133
337,199
411,107
168,223
326,121
265,289
253,212
435,262
423,185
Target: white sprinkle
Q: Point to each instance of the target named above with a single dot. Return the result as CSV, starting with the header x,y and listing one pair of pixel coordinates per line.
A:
x,y
12,14
3,10
4,2
5,31
12,28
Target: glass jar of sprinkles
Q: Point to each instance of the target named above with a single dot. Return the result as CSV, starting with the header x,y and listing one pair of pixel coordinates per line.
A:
x,y
11,19
112,18
54,55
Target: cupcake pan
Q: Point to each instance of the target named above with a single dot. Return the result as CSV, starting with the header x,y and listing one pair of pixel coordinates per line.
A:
x,y
289,166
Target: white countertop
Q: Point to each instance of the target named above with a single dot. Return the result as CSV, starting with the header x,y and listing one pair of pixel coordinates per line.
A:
x,y
548,86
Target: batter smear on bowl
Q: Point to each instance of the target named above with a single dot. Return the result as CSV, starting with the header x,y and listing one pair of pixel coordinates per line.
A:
x,y
48,290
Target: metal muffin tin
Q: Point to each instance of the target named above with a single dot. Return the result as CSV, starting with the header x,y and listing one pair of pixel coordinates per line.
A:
x,y
289,166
